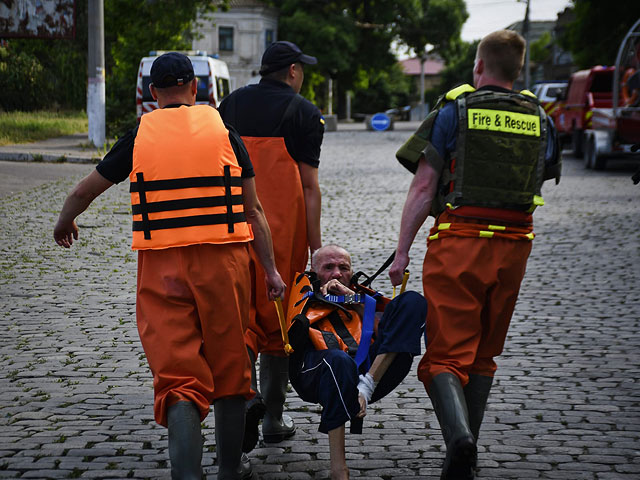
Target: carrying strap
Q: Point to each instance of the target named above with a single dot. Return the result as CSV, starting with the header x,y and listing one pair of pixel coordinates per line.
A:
x,y
370,279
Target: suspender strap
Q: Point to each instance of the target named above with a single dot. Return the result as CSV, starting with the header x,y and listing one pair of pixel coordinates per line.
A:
x,y
227,194
143,204
288,113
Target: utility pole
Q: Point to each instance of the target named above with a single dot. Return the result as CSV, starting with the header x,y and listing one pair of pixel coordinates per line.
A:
x,y
95,72
525,31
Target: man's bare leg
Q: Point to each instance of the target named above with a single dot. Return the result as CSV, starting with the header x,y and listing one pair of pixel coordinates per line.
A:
x,y
377,370
339,470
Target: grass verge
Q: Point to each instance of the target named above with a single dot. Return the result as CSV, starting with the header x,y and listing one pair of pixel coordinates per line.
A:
x,y
24,127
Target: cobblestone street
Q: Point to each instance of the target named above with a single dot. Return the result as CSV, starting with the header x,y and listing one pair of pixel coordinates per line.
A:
x,y
76,392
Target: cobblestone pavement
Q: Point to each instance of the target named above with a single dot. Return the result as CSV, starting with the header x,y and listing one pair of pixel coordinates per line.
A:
x,y
76,392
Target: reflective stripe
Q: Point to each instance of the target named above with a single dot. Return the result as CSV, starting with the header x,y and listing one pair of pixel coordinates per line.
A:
x,y
531,235
538,201
504,121
485,234
497,227
456,92
528,93
433,237
444,226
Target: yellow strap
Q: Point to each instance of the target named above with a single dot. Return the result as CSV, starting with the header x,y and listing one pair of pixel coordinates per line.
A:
x,y
405,277
531,236
485,234
456,92
283,326
444,226
433,237
527,92
497,227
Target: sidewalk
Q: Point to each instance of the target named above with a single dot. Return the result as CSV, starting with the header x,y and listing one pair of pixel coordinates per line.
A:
x,y
77,148
74,148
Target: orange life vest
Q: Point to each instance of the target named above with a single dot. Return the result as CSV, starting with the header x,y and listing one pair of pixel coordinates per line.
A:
x,y
186,184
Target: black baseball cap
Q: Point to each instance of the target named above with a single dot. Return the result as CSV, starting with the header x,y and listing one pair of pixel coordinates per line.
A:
x,y
282,54
171,69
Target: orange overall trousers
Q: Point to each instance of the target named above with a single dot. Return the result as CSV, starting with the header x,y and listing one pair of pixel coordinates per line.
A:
x,y
471,282
280,192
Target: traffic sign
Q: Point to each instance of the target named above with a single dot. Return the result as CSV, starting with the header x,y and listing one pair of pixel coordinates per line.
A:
x,y
380,122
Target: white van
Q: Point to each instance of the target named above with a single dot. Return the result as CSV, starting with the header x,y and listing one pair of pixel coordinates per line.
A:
x,y
212,75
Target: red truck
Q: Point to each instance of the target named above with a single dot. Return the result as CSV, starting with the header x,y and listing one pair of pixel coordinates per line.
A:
x,y
601,112
586,91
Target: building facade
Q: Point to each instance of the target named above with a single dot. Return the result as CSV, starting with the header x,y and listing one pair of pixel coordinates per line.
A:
x,y
239,36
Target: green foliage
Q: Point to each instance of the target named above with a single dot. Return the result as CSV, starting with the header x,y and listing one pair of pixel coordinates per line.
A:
x,y
540,49
62,66
132,30
594,37
460,68
431,22
23,81
379,90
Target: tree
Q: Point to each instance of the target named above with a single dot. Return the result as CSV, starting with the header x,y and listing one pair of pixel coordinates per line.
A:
x,y
434,23
594,36
132,30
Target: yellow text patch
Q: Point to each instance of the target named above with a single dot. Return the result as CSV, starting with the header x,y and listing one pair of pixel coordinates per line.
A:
x,y
502,121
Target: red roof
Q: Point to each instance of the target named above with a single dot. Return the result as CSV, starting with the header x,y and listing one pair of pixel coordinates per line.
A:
x,y
411,66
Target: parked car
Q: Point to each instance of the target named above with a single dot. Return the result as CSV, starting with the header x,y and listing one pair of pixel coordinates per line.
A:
x,y
550,94
212,74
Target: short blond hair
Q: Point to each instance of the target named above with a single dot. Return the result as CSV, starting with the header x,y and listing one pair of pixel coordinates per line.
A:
x,y
503,54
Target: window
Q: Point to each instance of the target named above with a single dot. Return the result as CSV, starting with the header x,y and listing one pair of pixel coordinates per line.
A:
x,y
268,38
225,39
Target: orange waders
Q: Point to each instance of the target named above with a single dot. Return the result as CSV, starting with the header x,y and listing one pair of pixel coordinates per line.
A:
x,y
193,262
471,277
280,192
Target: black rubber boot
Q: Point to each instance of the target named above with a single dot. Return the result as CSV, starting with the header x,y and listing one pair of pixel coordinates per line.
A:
x,y
450,406
229,414
185,441
254,411
476,393
274,377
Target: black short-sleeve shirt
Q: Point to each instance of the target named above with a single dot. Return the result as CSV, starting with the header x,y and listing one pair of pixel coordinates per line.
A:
x,y
118,163
257,111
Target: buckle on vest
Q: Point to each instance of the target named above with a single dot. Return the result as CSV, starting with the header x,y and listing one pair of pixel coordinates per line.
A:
x,y
351,299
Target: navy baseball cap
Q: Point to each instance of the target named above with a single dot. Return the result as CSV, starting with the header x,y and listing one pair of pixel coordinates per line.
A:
x,y
281,54
171,69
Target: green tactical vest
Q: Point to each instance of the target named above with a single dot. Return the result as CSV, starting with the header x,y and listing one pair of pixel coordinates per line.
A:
x,y
500,149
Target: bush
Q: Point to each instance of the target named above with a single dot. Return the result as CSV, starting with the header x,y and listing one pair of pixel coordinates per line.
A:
x,y
24,83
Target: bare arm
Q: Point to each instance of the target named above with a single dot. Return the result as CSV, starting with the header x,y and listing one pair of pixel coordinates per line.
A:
x,y
77,202
313,204
262,243
414,213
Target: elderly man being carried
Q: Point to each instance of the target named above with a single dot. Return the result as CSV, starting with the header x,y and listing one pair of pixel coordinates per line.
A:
x,y
352,346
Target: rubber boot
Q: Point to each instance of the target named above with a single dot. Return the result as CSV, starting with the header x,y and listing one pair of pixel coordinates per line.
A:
x,y
229,415
476,393
450,406
274,377
254,412
185,441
